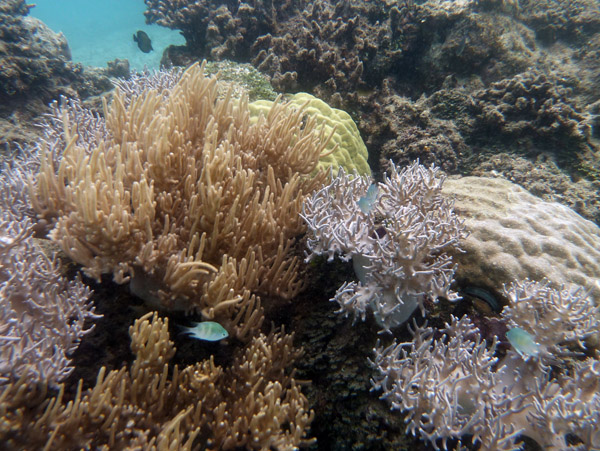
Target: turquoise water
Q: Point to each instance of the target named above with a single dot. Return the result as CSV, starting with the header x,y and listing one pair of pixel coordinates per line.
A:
x,y
102,30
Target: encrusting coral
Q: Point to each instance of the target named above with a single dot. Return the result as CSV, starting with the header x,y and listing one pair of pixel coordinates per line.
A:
x,y
253,404
397,233
179,193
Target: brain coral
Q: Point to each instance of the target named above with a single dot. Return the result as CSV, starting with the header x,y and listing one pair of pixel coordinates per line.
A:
x,y
351,152
515,235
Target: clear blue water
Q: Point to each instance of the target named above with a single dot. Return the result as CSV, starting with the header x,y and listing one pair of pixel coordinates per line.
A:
x,y
102,30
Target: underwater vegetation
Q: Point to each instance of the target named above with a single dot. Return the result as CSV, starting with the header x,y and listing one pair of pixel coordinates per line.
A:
x,y
170,240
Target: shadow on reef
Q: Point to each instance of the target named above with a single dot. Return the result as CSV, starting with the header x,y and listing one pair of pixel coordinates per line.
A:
x,y
335,362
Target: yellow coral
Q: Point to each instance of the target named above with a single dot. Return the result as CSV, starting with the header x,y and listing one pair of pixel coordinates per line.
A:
x,y
346,148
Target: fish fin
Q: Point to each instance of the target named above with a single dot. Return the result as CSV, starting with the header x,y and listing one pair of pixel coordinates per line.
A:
x,y
184,330
189,330
135,38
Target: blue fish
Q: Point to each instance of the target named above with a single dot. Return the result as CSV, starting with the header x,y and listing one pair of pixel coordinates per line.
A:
x,y
366,202
206,330
523,342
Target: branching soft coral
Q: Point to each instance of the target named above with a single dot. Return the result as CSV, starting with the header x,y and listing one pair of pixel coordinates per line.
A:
x,y
397,234
42,314
452,385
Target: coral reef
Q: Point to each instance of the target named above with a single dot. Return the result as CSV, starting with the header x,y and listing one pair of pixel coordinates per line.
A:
x,y
31,55
454,387
331,47
178,193
554,21
254,403
470,41
35,69
43,315
334,48
398,234
514,235
217,30
189,194
295,42
414,132
531,107
488,81
543,178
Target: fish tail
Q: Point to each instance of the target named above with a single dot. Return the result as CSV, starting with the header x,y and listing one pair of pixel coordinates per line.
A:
x,y
183,330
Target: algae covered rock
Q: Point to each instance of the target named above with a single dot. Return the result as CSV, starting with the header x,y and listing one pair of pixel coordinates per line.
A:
x,y
351,152
515,235
241,78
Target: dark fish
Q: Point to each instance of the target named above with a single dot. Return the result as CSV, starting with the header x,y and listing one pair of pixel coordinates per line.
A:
x,y
143,41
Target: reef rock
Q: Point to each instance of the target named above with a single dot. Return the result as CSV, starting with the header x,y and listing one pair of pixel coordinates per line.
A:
x,y
35,69
515,235
31,55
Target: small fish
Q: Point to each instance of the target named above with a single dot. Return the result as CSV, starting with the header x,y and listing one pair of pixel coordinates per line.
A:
x,y
523,342
484,295
143,41
206,330
366,202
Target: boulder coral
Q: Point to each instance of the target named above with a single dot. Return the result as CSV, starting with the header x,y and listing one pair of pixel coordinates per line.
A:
x,y
514,235
345,149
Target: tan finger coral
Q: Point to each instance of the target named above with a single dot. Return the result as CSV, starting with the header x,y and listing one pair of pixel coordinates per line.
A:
x,y
252,404
181,195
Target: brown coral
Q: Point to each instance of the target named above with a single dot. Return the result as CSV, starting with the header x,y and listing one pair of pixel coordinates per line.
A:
x,y
186,198
219,30
534,108
253,404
